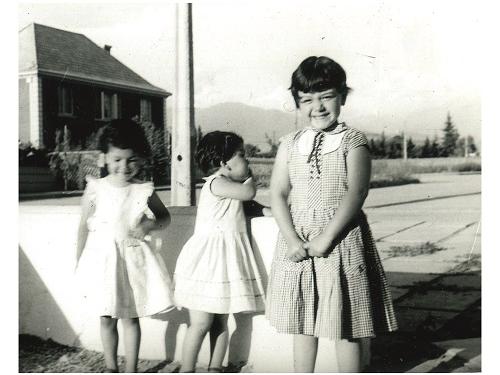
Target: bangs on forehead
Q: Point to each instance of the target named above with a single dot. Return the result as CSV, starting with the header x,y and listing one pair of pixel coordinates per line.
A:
x,y
315,83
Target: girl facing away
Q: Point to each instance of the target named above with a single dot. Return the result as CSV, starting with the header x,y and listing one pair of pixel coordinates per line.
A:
x,y
123,278
216,273
326,277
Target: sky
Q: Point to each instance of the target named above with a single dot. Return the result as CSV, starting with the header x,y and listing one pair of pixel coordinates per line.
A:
x,y
409,63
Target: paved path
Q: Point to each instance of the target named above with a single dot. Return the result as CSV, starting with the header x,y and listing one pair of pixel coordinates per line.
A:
x,y
429,238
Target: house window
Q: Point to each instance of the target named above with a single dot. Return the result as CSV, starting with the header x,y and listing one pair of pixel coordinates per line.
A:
x,y
65,100
146,112
108,106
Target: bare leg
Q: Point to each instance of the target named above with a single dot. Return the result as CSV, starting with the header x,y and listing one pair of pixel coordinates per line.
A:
x,y
109,338
349,355
132,340
218,342
305,349
365,353
199,324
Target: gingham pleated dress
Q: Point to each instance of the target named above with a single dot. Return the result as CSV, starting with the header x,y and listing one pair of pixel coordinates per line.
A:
x,y
344,295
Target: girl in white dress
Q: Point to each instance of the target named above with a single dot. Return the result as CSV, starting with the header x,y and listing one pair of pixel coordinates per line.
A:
x,y
216,273
121,276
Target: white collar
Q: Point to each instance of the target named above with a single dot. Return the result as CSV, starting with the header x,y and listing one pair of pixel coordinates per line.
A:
x,y
331,142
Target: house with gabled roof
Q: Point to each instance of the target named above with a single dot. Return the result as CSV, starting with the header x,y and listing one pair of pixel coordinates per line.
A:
x,y
66,80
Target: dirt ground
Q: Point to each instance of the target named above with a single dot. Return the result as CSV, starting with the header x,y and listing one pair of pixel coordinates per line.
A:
x,y
37,355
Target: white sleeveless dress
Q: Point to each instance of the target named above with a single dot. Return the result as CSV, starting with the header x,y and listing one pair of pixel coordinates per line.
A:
x,y
216,271
120,276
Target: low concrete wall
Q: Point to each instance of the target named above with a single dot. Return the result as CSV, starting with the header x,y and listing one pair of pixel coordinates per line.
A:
x,y
49,306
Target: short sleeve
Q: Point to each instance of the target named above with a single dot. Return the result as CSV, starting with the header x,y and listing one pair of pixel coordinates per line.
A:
x,y
288,141
209,180
144,191
91,188
354,138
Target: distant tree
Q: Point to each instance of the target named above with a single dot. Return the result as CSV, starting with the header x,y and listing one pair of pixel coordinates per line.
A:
x,y
411,149
450,138
251,150
373,148
435,150
274,146
425,150
382,146
395,147
472,145
461,144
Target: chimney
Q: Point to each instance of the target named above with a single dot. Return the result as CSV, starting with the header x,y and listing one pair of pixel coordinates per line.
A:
x,y
107,48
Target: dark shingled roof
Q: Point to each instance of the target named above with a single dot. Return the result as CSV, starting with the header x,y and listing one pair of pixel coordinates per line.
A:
x,y
59,53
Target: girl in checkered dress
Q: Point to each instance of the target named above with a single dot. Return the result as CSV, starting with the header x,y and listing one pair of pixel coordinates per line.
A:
x,y
326,278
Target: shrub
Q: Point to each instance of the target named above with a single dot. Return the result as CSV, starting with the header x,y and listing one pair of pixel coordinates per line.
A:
x,y
71,167
30,156
467,167
160,160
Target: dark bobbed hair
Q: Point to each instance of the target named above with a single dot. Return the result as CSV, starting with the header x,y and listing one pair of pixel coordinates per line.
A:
x,y
216,147
124,134
316,74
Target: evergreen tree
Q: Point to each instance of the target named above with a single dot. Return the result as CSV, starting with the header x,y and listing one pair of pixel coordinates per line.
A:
x,y
435,150
425,150
450,138
382,147
411,149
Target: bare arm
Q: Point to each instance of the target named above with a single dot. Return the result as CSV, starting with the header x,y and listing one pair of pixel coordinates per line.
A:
x,y
279,191
160,211
358,179
225,187
147,225
86,208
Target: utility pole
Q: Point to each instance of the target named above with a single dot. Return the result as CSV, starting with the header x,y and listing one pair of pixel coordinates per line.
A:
x,y
405,147
182,184
466,146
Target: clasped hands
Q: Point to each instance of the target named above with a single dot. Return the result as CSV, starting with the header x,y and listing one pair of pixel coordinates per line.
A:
x,y
319,246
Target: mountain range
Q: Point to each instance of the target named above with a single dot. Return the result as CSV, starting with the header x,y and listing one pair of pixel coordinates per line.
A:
x,y
256,124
